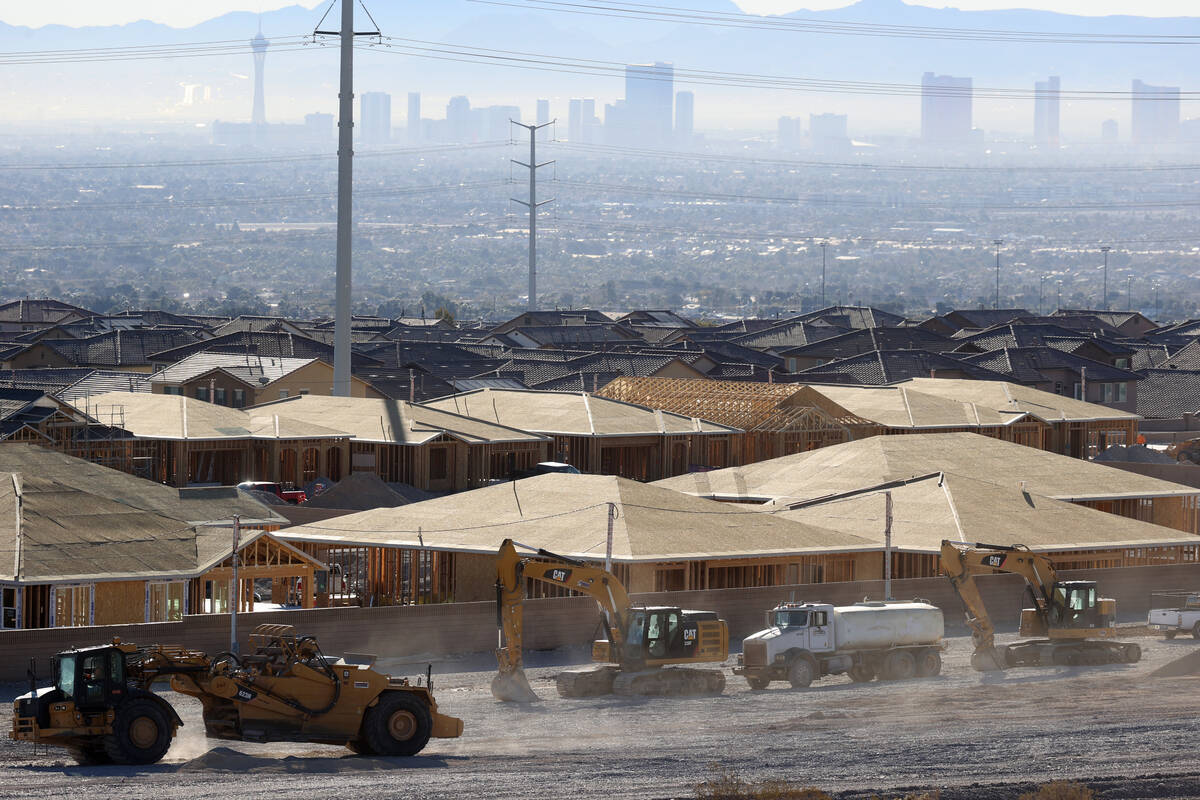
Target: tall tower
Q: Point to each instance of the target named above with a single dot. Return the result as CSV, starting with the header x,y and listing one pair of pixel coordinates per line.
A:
x,y
945,108
259,45
1045,111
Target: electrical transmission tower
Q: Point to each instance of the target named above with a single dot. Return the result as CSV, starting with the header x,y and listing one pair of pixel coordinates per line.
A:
x,y
532,204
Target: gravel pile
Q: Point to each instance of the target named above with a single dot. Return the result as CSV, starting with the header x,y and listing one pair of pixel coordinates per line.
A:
x,y
1137,453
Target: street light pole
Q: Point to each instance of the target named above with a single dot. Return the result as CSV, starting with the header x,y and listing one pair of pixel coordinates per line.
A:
x,y
1129,292
1041,287
997,242
1105,250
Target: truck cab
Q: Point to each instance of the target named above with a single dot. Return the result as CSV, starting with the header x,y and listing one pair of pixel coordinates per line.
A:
x,y
795,636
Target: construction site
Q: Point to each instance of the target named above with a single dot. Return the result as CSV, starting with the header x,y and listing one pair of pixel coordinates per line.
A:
x,y
971,735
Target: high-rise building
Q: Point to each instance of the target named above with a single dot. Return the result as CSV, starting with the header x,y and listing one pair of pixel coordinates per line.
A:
x,y
575,120
458,119
1155,113
685,110
789,133
414,117
827,132
1045,111
591,124
258,45
375,115
649,103
945,108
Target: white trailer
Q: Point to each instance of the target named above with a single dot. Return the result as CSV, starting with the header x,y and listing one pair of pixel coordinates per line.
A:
x,y
1174,613
805,641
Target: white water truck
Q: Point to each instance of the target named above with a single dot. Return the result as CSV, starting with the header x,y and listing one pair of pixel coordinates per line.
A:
x,y
805,641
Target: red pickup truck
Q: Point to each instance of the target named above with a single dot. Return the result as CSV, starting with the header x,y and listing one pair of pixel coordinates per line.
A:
x,y
284,491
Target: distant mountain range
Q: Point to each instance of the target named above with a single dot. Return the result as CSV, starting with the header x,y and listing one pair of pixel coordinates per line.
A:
x,y
303,80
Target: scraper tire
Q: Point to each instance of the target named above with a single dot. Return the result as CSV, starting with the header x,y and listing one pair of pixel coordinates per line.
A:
x,y
398,725
141,733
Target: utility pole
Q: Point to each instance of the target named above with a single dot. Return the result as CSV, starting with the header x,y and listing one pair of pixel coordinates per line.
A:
x,y
533,203
1041,288
234,586
998,243
1129,292
345,216
823,245
1105,250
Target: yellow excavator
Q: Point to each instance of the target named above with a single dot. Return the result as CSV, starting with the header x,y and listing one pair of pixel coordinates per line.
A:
x,y
103,710
1074,625
644,647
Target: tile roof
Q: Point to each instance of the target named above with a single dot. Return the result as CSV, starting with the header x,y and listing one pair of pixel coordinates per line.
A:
x,y
120,348
1168,393
871,339
888,366
1025,365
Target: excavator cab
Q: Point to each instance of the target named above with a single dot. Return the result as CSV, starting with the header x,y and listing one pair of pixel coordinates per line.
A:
x,y
667,635
1075,609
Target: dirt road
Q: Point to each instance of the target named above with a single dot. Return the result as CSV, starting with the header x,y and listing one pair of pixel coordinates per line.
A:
x,y
955,731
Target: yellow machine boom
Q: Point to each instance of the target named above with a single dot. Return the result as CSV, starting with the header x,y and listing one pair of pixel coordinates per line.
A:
x,y
638,640
1072,620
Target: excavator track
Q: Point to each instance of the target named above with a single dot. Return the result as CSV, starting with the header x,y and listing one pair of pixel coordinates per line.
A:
x,y
669,682
589,682
1084,652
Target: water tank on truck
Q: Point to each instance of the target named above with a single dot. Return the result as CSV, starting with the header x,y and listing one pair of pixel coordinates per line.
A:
x,y
805,641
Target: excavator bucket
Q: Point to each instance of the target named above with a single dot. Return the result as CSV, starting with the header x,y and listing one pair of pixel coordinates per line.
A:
x,y
513,687
989,659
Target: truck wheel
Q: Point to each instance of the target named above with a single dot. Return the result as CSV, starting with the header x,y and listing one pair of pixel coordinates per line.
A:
x,y
861,674
801,672
1196,631
929,663
758,684
141,733
1171,634
398,725
899,665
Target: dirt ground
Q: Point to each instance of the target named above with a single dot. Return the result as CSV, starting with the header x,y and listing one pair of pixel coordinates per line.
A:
x,y
972,735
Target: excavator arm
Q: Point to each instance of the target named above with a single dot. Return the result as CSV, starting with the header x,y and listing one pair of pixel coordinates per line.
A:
x,y
962,562
512,568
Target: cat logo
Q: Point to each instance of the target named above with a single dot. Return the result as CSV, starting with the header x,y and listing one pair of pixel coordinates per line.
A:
x,y
996,561
559,575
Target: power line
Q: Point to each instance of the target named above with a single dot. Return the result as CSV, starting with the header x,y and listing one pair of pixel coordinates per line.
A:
x,y
284,44
724,19
578,66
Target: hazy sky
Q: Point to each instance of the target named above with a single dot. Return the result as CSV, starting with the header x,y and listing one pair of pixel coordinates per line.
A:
x,y
183,13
